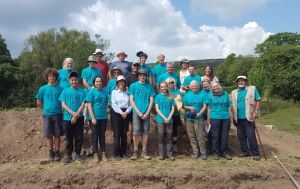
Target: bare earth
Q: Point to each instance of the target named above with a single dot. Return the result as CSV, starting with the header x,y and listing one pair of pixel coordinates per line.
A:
x,y
22,148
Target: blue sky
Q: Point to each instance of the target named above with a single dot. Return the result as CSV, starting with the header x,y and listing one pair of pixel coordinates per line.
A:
x,y
193,29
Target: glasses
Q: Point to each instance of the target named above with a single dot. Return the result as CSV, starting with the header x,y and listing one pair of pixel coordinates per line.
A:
x,y
171,82
136,65
116,72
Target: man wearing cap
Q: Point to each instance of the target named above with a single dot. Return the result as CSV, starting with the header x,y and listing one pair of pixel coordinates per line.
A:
x,y
88,74
192,77
123,65
245,104
141,99
160,68
133,76
102,65
169,73
184,72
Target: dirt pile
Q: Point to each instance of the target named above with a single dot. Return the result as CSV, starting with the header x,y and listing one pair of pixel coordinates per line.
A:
x,y
22,147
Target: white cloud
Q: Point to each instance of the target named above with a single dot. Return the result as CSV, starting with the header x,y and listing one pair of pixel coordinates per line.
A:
x,y
156,27
226,9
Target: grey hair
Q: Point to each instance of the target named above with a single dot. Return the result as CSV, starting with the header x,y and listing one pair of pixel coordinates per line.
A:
x,y
170,63
194,82
66,59
215,83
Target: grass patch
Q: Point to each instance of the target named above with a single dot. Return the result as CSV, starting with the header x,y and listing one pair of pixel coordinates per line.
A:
x,y
287,119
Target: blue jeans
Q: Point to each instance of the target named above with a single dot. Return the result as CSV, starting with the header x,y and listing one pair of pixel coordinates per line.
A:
x,y
246,134
219,133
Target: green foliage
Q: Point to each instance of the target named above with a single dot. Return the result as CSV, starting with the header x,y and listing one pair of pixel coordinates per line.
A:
x,y
46,49
5,56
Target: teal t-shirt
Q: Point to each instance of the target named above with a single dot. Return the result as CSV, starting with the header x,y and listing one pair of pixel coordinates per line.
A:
x,y
147,68
165,105
188,79
175,92
218,105
195,99
158,70
112,85
99,99
49,94
90,73
166,75
141,93
241,106
73,98
63,78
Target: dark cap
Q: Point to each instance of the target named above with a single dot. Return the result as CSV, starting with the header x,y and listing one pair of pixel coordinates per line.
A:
x,y
143,71
73,74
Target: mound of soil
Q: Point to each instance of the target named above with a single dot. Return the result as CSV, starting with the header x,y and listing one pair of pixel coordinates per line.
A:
x,y
22,146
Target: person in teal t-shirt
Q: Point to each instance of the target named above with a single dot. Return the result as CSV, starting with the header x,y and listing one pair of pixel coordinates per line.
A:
x,y
245,106
141,99
97,101
160,68
143,58
193,102
192,77
72,100
218,104
47,99
164,105
63,78
176,116
169,73
88,74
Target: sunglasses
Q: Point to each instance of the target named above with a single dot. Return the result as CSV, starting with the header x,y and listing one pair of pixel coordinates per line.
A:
x,y
137,65
171,82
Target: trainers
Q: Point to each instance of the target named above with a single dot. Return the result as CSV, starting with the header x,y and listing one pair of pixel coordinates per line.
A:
x,y
67,159
172,158
96,158
256,158
227,156
134,156
79,159
57,156
216,157
51,155
104,158
161,157
146,156
203,156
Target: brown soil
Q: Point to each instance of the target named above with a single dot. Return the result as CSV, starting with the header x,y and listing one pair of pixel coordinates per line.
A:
x,y
22,147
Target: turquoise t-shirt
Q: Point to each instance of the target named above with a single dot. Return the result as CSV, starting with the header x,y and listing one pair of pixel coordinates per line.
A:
x,y
73,98
112,85
141,93
90,73
195,99
165,105
99,99
49,94
63,78
188,79
218,105
241,106
166,75
158,70
147,68
175,92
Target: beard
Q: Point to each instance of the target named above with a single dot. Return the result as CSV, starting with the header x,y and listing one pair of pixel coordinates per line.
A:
x,y
242,86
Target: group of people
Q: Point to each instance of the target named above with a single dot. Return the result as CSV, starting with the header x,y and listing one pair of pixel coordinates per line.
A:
x,y
129,93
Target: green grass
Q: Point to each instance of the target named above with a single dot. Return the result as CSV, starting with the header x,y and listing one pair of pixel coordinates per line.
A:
x,y
287,119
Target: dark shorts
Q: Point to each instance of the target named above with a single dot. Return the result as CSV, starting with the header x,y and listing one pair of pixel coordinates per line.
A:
x,y
53,125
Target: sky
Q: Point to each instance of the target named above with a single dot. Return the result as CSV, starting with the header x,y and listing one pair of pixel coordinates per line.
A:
x,y
193,29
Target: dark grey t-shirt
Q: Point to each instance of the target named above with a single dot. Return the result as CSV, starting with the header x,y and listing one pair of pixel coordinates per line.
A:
x,y
124,66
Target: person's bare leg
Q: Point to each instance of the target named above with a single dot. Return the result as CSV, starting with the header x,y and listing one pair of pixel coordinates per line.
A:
x,y
56,143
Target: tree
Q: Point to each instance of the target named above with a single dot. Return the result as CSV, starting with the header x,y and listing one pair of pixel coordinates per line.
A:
x,y
279,65
49,49
223,69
